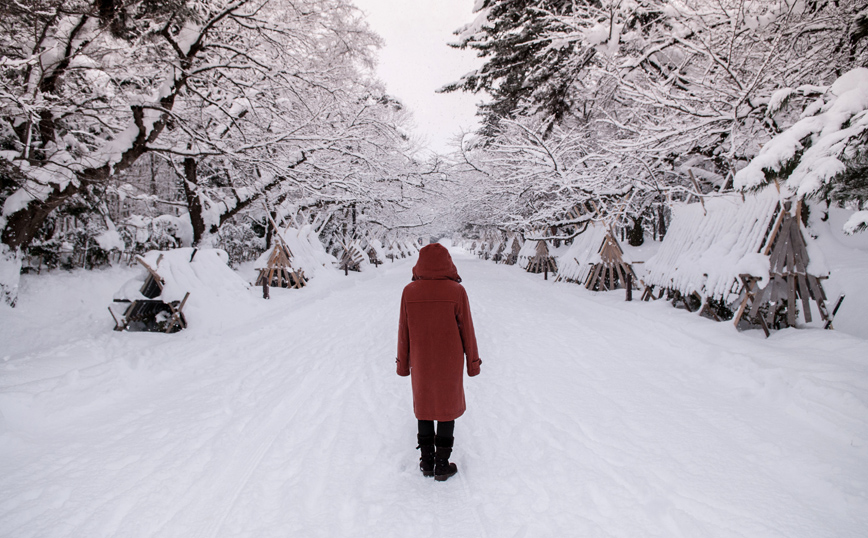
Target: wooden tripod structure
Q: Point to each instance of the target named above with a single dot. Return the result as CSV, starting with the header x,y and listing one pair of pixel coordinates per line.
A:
x,y
789,281
739,258
351,255
514,248
612,272
279,272
542,261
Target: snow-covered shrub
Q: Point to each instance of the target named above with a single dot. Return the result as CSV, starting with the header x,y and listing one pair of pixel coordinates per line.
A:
x,y
582,254
240,242
203,273
164,232
75,235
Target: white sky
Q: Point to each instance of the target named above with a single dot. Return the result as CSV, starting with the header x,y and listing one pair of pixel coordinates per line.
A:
x,y
416,61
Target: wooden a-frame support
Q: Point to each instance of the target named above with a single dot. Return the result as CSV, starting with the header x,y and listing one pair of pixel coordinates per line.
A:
x,y
542,261
612,271
789,280
514,248
351,256
279,272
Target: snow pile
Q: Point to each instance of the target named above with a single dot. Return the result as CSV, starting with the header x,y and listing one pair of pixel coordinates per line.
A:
x,y
575,264
203,273
705,253
308,254
110,240
832,127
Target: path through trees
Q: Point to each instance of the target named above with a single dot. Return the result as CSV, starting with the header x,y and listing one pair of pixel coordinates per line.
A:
x,y
591,417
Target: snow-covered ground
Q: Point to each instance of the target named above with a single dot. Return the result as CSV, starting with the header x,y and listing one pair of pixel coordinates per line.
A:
x,y
592,417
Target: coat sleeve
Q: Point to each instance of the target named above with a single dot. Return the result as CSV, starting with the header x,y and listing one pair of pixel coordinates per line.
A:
x,y
403,359
468,336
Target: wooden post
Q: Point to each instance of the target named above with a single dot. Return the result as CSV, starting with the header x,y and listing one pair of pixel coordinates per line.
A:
x,y
629,286
265,289
828,324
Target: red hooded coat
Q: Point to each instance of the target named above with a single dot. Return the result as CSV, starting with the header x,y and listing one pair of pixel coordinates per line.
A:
x,y
435,333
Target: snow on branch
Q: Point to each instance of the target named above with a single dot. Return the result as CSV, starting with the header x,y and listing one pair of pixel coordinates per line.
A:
x,y
809,154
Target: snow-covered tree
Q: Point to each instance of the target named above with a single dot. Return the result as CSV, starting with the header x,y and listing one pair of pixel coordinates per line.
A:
x,y
810,159
540,57
674,95
246,100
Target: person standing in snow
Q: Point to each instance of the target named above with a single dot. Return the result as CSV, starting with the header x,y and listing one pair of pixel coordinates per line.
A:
x,y
435,333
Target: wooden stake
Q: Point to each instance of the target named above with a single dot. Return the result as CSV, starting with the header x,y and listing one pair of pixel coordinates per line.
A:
x,y
698,190
774,232
749,285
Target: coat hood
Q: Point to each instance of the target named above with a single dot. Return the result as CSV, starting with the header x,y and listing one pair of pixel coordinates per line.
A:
x,y
435,263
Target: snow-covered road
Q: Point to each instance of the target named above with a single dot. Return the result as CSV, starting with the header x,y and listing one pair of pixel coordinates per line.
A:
x,y
592,417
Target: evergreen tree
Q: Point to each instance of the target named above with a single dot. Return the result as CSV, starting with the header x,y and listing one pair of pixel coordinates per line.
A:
x,y
524,71
850,187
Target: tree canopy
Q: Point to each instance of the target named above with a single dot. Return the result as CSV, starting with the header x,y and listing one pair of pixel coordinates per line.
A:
x,y
632,103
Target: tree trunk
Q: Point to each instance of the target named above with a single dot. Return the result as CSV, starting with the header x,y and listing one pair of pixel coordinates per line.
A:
x,y
194,201
153,175
661,223
269,230
23,225
636,234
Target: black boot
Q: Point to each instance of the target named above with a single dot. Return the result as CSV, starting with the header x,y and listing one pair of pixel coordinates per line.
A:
x,y
426,462
442,468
